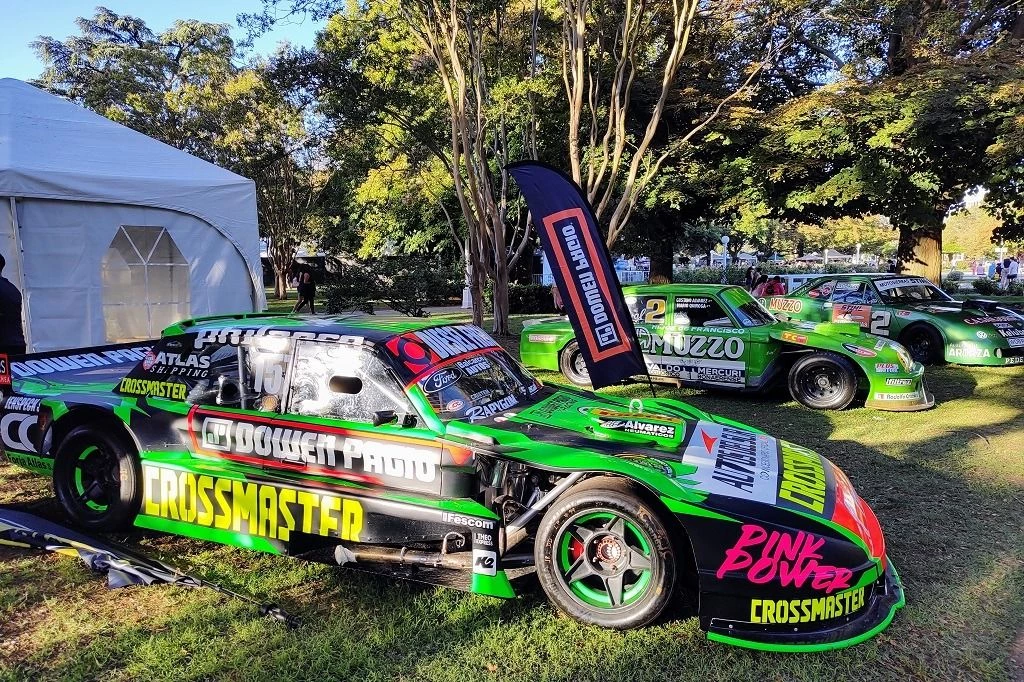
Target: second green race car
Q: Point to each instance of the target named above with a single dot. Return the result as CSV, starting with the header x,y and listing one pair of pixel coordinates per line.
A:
x,y
719,336
933,326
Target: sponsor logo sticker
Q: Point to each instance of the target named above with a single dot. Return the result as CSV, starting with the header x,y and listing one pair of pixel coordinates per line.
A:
x,y
887,367
785,305
899,382
485,562
857,350
913,395
793,337
980,334
733,462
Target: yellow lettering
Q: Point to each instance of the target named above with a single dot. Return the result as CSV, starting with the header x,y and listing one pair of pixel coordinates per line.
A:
x,y
204,485
308,501
285,497
351,520
223,518
187,491
755,617
328,503
769,612
267,525
243,506
151,482
169,495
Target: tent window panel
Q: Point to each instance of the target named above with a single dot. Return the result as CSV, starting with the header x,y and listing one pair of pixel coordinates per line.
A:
x,y
166,253
127,322
144,239
168,283
145,283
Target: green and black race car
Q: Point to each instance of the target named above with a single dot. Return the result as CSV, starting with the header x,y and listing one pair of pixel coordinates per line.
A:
x,y
933,326
713,336
427,451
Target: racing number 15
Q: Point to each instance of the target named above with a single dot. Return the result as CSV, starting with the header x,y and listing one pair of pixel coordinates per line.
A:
x,y
880,322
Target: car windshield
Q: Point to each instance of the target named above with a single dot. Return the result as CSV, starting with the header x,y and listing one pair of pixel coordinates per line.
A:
x,y
748,309
910,290
479,386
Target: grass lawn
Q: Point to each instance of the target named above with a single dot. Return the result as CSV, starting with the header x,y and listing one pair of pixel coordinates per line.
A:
x,y
947,485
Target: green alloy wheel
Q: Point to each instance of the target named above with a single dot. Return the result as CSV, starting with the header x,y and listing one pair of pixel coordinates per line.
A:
x,y
95,479
604,557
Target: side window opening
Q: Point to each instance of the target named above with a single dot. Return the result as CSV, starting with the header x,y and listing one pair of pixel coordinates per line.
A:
x,y
252,376
822,291
315,366
700,311
858,293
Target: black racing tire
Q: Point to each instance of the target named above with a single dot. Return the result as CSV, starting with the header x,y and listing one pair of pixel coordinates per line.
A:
x,y
570,362
96,479
823,381
924,343
605,557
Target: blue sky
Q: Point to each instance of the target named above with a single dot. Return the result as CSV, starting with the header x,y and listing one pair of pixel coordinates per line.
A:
x,y
23,20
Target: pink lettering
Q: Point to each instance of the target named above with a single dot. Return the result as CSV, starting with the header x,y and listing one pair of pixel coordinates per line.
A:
x,y
737,558
791,559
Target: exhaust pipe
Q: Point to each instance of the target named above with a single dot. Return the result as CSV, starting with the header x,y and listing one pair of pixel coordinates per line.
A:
x,y
402,556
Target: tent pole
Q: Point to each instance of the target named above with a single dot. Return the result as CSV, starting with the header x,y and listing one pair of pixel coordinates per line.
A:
x,y
26,317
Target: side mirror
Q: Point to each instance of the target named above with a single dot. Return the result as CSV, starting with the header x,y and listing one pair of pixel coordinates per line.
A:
x,y
381,417
349,385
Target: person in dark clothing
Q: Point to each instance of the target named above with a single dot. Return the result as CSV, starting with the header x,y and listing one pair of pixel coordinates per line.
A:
x,y
12,338
306,290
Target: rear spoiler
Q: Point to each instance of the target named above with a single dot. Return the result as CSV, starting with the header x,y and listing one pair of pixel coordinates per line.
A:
x,y
77,359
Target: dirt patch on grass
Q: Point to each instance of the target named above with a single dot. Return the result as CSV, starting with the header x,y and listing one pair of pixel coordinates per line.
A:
x,y
1017,658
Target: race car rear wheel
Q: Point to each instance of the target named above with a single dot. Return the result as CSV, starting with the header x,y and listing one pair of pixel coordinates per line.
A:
x,y
604,556
572,365
924,343
823,381
95,478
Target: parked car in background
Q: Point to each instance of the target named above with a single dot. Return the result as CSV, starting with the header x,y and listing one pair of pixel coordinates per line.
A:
x,y
713,336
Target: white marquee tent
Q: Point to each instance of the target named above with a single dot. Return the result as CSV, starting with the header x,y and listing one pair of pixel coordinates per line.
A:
x,y
111,235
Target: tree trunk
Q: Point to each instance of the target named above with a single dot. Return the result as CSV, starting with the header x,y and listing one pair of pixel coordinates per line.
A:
x,y
499,298
661,262
280,284
920,251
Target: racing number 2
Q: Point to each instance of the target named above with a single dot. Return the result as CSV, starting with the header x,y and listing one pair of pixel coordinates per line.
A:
x,y
654,313
880,322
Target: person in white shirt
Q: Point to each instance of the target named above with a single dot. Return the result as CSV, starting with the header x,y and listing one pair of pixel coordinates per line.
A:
x,y
1011,272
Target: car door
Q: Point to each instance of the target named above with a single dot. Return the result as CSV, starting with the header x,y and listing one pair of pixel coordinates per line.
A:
x,y
703,344
346,401
857,301
650,319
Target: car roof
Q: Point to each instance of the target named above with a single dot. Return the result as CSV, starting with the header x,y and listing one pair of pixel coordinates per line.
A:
x,y
666,289
371,329
873,276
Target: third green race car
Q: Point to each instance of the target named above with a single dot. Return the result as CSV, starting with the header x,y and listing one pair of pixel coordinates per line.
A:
x,y
713,336
927,321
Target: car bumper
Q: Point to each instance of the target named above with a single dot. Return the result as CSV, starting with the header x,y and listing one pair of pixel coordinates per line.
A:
x,y
917,398
886,598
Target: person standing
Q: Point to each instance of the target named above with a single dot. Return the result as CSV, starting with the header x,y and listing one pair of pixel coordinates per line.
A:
x,y
12,336
1012,270
306,291
749,278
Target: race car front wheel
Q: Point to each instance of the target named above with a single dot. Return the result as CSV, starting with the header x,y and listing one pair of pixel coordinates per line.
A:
x,y
924,343
604,556
95,478
572,365
823,381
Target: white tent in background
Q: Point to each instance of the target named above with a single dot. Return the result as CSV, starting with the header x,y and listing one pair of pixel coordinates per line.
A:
x,y
112,235
812,257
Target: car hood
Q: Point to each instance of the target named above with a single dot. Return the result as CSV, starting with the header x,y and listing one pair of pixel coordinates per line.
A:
x,y
735,466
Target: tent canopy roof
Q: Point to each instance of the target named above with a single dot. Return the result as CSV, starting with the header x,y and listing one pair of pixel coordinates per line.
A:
x,y
51,148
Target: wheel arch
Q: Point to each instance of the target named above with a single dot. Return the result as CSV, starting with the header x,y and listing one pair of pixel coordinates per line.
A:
x,y
88,415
